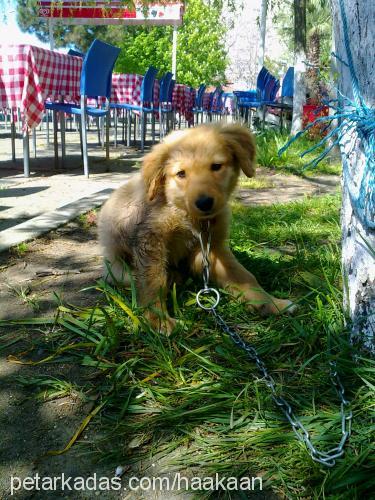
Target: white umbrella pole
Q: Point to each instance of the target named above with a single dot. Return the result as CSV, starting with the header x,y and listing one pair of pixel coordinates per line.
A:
x,y
174,52
51,40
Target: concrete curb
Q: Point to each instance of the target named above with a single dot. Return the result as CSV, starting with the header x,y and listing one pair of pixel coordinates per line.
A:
x,y
41,224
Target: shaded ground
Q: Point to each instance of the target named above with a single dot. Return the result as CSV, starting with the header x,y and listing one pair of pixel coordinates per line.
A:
x,y
53,269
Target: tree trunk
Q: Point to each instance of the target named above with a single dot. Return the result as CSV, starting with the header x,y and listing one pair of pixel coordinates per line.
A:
x,y
358,245
312,72
263,26
299,97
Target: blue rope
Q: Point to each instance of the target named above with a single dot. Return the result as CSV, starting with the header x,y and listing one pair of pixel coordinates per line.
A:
x,y
353,116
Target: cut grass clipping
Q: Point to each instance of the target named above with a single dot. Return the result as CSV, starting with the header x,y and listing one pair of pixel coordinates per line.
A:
x,y
195,400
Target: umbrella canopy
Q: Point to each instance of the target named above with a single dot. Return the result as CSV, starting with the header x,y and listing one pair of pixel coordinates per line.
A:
x,y
101,12
111,12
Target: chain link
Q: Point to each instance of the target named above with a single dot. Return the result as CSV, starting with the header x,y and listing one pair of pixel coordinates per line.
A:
x,y
327,458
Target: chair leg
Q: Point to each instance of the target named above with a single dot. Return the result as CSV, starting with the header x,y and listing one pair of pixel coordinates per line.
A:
x,y
62,132
160,126
123,112
47,127
135,131
153,126
128,121
102,130
26,154
98,130
80,136
13,135
107,123
143,130
55,145
84,145
115,124
34,142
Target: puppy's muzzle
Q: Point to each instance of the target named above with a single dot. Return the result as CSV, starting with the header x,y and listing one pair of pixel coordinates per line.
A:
x,y
204,203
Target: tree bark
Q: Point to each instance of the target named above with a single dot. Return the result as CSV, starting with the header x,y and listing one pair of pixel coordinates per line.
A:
x,y
263,29
358,238
299,97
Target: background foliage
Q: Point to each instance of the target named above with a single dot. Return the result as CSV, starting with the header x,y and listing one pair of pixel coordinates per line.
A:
x,y
201,48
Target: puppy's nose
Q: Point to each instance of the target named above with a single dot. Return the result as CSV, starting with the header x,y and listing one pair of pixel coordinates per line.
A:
x,y
204,203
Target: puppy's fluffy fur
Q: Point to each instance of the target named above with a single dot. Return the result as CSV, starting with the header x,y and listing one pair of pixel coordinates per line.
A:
x,y
151,223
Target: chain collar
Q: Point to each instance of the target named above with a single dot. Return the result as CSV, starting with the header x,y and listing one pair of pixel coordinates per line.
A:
x,y
208,299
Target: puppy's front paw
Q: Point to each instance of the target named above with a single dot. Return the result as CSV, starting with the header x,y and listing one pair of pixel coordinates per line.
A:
x,y
161,323
278,306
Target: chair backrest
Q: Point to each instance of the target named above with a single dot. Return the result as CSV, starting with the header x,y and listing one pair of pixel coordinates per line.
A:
x,y
164,87
216,103
287,89
271,89
147,87
72,52
96,77
199,96
262,77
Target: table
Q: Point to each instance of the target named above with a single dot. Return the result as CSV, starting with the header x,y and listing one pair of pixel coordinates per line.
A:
x,y
183,101
28,77
126,89
31,75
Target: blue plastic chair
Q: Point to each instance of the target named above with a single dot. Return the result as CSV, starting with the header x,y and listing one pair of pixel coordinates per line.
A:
x,y
198,103
170,93
165,103
249,101
216,104
146,107
285,103
96,81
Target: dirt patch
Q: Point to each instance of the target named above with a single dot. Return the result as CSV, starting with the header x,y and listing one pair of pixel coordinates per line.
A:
x,y
269,187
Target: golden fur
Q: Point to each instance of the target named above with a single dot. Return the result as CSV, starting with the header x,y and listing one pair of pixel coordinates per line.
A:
x,y
151,223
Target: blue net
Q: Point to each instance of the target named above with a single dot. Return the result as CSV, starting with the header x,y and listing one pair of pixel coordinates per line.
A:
x,y
349,116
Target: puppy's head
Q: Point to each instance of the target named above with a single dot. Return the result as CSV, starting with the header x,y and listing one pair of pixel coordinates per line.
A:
x,y
197,169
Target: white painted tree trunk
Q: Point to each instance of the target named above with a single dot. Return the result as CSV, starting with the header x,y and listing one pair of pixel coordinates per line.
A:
x,y
263,29
358,262
299,98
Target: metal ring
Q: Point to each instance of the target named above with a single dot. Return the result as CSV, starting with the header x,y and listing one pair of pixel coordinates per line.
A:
x,y
206,291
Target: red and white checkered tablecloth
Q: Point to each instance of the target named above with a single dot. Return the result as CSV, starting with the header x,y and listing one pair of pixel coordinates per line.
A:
x,y
30,75
183,100
126,89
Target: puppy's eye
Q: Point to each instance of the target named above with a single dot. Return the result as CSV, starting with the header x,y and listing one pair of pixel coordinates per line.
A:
x,y
181,174
216,166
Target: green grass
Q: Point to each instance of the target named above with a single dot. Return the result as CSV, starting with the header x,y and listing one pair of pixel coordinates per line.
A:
x,y
255,183
196,394
20,249
270,142
88,219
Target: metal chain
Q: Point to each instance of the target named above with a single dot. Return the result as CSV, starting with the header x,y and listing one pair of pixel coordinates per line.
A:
x,y
212,298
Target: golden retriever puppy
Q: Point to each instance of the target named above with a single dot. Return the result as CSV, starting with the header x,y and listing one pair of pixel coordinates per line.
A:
x,y
151,223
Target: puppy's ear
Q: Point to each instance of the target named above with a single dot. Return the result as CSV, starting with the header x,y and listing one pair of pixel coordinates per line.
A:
x,y
242,145
153,170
